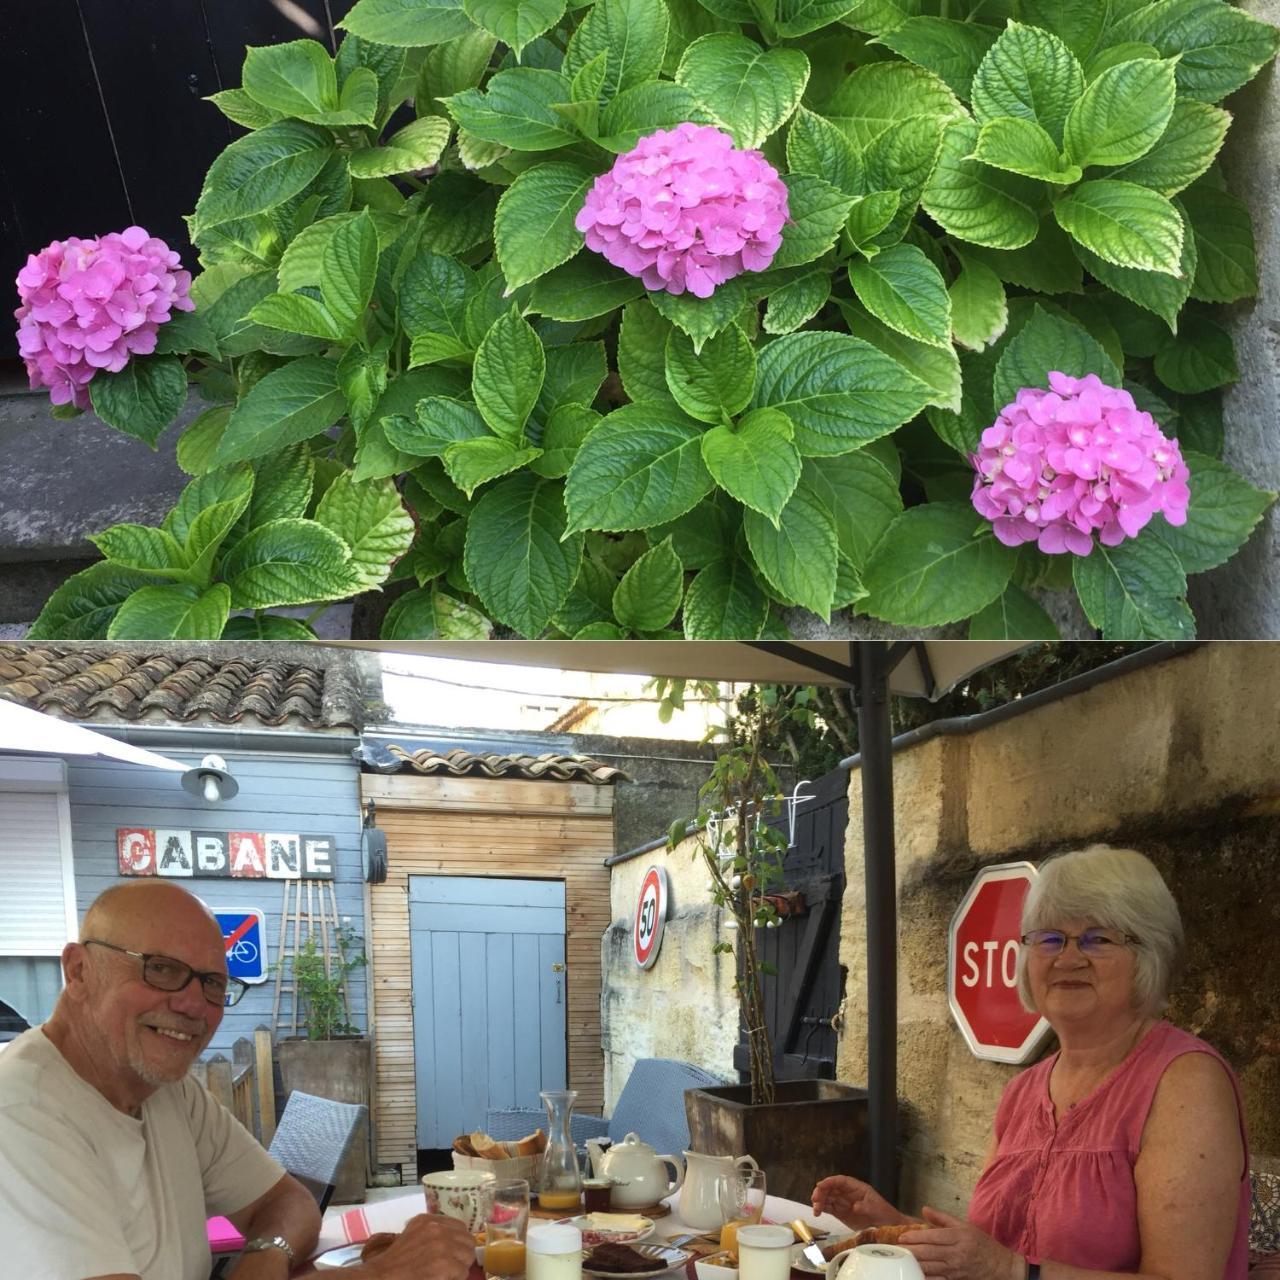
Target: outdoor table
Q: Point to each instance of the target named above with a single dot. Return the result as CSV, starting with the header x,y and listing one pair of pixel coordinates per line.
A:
x,y
391,1215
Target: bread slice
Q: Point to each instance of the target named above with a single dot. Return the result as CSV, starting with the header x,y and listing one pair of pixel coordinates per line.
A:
x,y
486,1148
533,1145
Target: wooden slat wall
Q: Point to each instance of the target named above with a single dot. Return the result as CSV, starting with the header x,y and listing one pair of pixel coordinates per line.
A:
x,y
477,827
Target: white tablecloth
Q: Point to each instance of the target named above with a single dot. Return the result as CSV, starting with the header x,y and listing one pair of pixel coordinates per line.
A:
x,y
358,1224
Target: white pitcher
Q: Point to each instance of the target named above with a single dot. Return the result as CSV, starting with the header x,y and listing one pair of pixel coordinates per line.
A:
x,y
699,1201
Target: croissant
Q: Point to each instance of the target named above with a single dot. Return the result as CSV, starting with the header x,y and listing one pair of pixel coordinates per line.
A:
x,y
888,1235
375,1244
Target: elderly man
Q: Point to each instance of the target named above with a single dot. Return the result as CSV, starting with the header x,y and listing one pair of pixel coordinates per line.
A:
x,y
112,1156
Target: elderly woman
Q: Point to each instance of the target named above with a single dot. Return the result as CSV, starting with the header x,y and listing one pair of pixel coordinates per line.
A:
x,y
1125,1151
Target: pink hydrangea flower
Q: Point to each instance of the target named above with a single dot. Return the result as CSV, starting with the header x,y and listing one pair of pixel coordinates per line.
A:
x,y
685,209
1058,466
91,304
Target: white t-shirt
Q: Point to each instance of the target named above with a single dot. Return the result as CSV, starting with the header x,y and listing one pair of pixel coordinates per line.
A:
x,y
86,1190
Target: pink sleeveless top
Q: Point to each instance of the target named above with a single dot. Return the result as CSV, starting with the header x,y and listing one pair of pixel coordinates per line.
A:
x,y
1065,1190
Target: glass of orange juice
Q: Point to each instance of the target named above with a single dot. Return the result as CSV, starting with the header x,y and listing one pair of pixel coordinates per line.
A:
x,y
506,1221
741,1195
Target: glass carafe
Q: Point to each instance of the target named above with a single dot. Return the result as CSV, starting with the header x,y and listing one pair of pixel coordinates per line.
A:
x,y
561,1185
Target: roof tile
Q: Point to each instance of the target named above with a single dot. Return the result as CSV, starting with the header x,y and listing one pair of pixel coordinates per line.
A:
x,y
549,766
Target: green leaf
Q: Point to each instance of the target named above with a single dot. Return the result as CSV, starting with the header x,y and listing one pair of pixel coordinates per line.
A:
x,y
371,519
1218,47
640,467
818,147
83,607
292,79
880,94
266,626
1224,510
138,546
199,440
460,63
755,461
575,374
639,110
1013,616
282,485
185,332
176,611
937,367
632,36
406,23
1047,343
817,212
976,203
362,375
583,288
798,554
567,427
715,383
262,171
862,494
507,377
797,302
229,485
238,106
1183,151
287,562
1226,266
1133,591
1123,223
642,346
294,403
799,17
950,49
870,215
651,590
471,463
902,159
1022,146
348,266
932,567
534,227
516,110
702,318
515,22
838,391
904,289
143,398
433,299
297,313
417,146
1077,23
979,310
430,614
519,556
1200,358
460,212
753,90
724,602
1121,113
440,421
1030,74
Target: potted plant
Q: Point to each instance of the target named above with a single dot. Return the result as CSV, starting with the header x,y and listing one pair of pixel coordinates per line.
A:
x,y
332,1060
791,1127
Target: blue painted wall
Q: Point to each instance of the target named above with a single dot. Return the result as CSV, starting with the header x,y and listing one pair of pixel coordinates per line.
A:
x,y
278,792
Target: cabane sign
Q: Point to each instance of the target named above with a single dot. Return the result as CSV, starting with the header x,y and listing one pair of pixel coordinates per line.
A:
x,y
250,855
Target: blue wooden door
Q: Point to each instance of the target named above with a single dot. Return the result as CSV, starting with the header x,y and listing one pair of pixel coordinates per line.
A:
x,y
488,998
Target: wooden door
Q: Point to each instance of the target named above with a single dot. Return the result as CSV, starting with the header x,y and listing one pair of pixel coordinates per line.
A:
x,y
489,989
808,986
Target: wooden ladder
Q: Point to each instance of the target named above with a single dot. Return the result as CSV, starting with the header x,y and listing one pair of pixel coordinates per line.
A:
x,y
318,911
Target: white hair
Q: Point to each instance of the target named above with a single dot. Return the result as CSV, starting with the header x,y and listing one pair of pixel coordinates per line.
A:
x,y
1116,889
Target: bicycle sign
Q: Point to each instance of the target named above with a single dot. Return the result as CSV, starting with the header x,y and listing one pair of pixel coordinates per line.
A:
x,y
245,936
651,912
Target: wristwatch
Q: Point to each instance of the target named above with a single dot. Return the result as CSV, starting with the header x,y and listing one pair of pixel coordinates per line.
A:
x,y
258,1243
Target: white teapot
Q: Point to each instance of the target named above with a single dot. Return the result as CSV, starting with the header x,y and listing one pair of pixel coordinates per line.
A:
x,y
700,1201
638,1173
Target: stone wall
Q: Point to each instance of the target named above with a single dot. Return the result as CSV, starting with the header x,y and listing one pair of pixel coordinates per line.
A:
x,y
1179,759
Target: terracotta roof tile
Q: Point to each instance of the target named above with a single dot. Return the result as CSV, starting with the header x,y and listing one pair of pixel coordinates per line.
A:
x,y
85,682
549,766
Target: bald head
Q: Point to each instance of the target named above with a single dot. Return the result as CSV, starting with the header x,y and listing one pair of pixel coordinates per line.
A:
x,y
129,910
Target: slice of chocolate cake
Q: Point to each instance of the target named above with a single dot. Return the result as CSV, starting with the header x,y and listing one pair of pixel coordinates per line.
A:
x,y
621,1259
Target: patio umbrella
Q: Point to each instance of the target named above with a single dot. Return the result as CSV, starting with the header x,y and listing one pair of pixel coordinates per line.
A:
x,y
871,670
31,732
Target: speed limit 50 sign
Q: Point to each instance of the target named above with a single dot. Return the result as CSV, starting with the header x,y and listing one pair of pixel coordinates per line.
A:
x,y
651,911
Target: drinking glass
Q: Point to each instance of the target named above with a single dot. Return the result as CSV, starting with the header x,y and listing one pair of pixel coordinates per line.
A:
x,y
505,1222
740,1193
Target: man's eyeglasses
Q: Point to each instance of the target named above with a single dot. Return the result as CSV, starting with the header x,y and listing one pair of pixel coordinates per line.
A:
x,y
166,974
1092,942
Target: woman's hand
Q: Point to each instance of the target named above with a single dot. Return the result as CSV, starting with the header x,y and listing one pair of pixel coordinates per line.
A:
x,y
431,1247
858,1204
958,1251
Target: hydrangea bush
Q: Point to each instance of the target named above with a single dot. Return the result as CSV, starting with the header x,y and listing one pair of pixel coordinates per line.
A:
x,y
671,317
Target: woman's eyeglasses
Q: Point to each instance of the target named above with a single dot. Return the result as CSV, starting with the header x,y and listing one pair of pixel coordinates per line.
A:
x,y
1092,942
166,974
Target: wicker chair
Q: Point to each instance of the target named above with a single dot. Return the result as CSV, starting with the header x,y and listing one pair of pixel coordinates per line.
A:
x,y
312,1140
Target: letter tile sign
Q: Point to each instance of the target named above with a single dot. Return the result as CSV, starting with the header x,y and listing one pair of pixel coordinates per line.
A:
x,y
215,855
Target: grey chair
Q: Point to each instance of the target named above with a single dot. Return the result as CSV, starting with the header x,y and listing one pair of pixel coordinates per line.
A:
x,y
651,1104
313,1138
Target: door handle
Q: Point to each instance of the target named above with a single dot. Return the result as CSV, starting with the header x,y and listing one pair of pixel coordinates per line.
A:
x,y
557,968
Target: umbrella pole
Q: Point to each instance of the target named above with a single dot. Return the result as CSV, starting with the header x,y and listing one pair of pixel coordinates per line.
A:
x,y
870,659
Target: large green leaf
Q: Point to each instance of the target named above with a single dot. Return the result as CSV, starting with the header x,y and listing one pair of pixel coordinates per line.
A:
x,y
583,288
296,78
755,461
471,463
1022,146
516,110
575,374
1183,151
176,611
1013,616
818,147
904,289
229,485
1077,23
950,49
562,436
439,421
642,347
266,626
799,17
348,267
702,318
979,309
903,159
640,467
515,22
838,391
861,492
1031,74
880,94
407,23
283,483
639,110
534,228
933,566
715,383
1200,358
1046,343
294,403
431,614
797,302
433,296
417,146
519,557
799,554
287,562
297,313
753,90
632,36
1123,223
817,211
370,518
937,367
724,602
143,398
1134,591
507,377
1226,266
84,605
362,375
139,546
650,592
1121,113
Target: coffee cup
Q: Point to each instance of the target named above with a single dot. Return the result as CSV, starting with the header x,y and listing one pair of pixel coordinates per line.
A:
x,y
875,1262
460,1194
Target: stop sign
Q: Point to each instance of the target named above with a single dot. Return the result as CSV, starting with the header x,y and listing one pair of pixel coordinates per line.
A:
x,y
982,958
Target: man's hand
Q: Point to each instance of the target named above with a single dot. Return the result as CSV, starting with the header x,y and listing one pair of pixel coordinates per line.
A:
x,y
855,1203
431,1247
